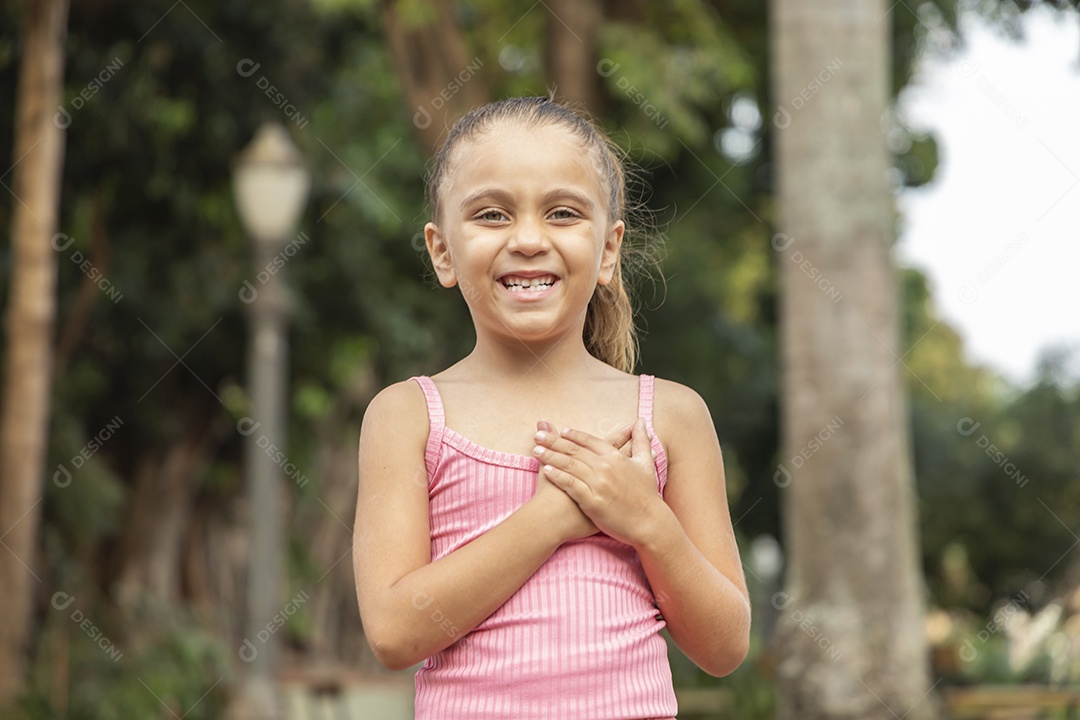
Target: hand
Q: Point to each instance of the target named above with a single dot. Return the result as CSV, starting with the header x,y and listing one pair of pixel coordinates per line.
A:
x,y
578,523
616,491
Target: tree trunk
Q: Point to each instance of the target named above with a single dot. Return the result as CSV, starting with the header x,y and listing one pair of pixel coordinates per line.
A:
x,y
336,634
151,552
73,327
440,80
38,156
850,635
571,51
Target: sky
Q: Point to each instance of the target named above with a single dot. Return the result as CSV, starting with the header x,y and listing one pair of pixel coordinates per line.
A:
x,y
998,229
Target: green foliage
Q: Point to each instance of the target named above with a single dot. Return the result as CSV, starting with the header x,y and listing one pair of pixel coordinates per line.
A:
x,y
84,495
918,163
666,77
995,466
147,197
81,673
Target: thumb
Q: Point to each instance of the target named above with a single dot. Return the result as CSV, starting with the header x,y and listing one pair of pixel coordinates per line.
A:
x,y
620,438
640,445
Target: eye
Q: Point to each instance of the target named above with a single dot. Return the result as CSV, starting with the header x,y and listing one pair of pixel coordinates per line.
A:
x,y
491,215
564,213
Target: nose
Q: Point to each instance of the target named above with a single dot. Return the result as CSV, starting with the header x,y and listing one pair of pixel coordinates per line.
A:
x,y
528,237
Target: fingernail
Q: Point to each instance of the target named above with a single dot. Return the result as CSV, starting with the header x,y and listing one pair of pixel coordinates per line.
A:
x,y
538,450
540,436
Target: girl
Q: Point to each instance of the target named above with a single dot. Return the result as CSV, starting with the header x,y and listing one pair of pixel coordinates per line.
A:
x,y
531,568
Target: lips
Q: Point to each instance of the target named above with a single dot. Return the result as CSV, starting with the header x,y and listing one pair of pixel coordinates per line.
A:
x,y
526,283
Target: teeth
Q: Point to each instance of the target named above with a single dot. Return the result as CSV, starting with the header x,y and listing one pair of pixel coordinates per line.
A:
x,y
517,284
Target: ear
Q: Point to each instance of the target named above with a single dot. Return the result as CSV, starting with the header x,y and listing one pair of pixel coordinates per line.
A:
x,y
440,255
610,256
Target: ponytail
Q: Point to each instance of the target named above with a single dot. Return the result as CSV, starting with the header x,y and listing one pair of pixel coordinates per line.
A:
x,y
610,334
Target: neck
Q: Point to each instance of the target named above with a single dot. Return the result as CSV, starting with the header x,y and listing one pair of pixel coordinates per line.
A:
x,y
518,361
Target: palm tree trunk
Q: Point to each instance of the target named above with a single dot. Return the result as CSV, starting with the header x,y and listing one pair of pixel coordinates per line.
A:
x,y
24,417
570,52
850,634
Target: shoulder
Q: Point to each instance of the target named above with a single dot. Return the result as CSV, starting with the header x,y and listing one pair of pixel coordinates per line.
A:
x,y
406,395
400,409
392,444
682,422
675,405
402,398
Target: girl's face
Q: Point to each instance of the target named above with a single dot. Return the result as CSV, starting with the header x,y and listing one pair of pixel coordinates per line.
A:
x,y
524,231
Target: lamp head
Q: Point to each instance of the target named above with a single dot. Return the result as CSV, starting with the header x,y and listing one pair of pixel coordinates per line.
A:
x,y
270,184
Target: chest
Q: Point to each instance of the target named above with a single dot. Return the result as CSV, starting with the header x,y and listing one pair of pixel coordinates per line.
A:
x,y
506,422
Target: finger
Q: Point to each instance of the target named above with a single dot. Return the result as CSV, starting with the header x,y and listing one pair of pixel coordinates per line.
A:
x,y
566,482
562,459
641,442
620,438
585,440
571,457
555,442
544,432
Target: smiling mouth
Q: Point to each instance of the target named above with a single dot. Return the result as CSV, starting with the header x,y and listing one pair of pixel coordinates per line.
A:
x,y
515,283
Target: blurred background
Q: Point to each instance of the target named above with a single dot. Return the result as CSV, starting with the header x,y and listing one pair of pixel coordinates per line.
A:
x,y
188,293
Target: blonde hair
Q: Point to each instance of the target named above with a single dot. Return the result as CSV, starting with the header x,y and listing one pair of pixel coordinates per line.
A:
x,y
610,334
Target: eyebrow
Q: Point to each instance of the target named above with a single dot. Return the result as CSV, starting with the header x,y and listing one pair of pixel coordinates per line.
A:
x,y
568,194
500,196
504,198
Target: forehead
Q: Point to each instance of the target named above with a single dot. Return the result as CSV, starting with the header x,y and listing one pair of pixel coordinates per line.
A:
x,y
519,157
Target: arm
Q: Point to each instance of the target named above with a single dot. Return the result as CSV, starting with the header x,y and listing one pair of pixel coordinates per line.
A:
x,y
685,540
411,607
689,554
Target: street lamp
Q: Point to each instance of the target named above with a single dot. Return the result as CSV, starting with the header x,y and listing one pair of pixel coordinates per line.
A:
x,y
270,184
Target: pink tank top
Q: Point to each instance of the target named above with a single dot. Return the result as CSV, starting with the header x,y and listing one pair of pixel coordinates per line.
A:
x,y
579,640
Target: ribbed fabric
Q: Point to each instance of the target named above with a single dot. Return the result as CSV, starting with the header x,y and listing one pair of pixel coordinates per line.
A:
x,y
580,640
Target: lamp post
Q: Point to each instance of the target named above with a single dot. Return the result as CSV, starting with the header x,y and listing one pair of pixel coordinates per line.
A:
x,y
270,185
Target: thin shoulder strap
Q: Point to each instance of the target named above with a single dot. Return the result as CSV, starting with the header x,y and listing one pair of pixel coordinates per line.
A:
x,y
645,411
436,423
436,414
645,399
